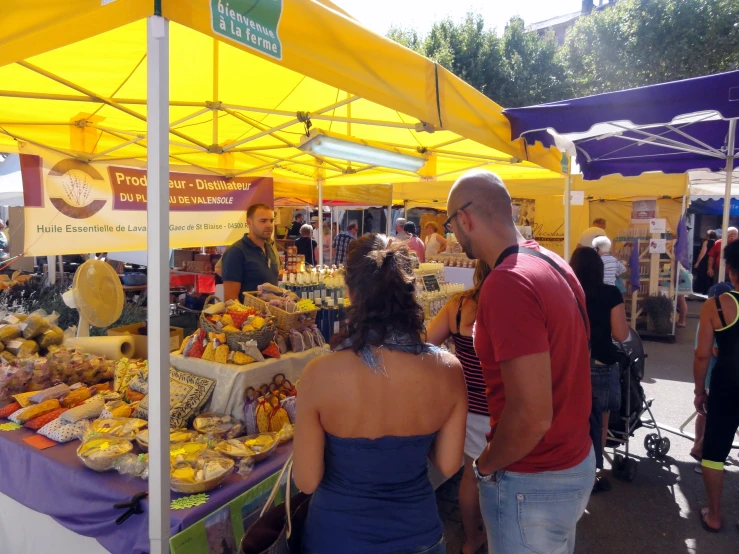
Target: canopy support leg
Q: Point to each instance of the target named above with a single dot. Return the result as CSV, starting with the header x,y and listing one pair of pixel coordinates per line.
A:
x,y
157,239
727,196
568,222
320,221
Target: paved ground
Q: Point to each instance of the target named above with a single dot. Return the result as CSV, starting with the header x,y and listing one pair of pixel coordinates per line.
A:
x,y
658,512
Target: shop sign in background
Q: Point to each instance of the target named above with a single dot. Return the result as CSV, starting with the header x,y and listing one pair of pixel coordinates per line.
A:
x,y
72,206
253,23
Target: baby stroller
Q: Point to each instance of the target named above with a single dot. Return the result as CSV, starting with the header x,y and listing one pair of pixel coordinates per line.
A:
x,y
634,404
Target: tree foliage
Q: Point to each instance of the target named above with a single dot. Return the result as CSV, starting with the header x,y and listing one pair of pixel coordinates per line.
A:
x,y
633,43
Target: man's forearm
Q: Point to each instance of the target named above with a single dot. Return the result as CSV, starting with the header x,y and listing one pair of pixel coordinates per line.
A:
x,y
516,435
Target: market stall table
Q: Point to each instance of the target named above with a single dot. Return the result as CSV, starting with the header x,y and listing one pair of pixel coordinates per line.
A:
x,y
232,380
54,482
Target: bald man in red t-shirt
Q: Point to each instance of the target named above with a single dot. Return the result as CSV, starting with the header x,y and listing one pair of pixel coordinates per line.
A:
x,y
531,338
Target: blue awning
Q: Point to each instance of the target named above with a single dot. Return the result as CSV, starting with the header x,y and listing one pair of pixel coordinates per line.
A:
x,y
670,127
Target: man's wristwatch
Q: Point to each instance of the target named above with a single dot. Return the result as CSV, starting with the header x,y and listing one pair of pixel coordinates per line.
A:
x,y
480,477
695,392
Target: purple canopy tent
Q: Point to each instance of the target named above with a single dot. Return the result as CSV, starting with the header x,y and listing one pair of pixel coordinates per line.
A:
x,y
672,127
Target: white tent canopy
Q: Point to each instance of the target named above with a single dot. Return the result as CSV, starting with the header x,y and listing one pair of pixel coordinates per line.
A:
x,y
707,185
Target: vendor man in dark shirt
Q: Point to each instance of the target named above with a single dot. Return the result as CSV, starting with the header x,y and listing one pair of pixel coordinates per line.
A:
x,y
251,261
297,224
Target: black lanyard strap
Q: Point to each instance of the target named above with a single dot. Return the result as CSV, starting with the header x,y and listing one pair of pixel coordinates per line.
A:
x,y
529,252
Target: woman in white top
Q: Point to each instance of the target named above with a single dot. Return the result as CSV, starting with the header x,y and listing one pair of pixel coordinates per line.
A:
x,y
435,243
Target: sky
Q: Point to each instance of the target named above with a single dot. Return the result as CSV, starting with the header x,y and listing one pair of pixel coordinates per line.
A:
x,y
380,15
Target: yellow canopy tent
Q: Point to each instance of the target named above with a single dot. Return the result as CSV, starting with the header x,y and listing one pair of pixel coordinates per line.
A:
x,y
609,197
229,87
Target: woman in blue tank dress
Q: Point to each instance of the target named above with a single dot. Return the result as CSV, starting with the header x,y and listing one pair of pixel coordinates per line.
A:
x,y
371,415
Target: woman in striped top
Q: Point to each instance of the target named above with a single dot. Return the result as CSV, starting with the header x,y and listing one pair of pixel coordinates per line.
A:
x,y
457,320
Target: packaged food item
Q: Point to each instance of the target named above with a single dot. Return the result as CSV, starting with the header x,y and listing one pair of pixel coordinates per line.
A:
x,y
123,427
286,434
176,436
9,332
116,409
76,397
38,422
272,351
52,337
135,465
101,452
34,325
251,349
296,341
59,391
223,426
204,474
36,410
186,452
22,347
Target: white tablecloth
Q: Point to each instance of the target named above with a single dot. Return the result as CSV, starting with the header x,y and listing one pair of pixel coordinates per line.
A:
x,y
232,380
460,275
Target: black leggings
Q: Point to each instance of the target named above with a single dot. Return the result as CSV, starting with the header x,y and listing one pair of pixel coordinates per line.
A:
x,y
722,421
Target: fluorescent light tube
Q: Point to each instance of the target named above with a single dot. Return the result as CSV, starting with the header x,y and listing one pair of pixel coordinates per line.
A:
x,y
331,146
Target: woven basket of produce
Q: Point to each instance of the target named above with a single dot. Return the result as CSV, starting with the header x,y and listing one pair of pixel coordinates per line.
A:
x,y
101,452
258,447
238,322
284,319
202,475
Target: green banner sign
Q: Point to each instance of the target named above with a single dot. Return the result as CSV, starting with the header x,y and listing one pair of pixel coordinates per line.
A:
x,y
253,23
221,531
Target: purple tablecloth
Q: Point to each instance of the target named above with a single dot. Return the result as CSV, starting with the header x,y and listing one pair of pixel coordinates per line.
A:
x,y
54,482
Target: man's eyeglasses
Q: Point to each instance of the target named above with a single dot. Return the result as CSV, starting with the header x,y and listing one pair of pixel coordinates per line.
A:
x,y
455,213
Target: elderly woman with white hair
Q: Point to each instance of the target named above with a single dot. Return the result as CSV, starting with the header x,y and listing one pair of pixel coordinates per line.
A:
x,y
612,268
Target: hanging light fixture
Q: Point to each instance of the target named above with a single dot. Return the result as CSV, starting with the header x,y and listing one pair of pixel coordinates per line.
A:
x,y
322,144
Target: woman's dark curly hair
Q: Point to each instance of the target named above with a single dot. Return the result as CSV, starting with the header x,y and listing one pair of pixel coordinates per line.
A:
x,y
731,255
382,287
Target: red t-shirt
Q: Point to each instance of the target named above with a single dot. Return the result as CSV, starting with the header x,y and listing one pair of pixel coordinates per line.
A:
x,y
715,253
525,308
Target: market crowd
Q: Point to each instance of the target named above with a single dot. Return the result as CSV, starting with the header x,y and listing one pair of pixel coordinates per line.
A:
x,y
523,404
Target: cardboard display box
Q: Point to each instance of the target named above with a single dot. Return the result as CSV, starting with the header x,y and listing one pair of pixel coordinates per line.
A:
x,y
176,336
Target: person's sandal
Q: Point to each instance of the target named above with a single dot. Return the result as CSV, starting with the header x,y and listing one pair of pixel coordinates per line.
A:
x,y
702,514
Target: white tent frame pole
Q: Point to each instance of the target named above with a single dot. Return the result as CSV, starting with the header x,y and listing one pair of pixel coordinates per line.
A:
x,y
568,214
319,184
157,238
727,196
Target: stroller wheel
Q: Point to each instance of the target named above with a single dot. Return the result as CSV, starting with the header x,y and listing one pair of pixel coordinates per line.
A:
x,y
663,447
618,467
652,443
630,470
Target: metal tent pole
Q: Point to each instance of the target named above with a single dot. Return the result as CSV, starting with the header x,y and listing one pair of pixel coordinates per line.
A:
x,y
157,238
568,200
320,219
727,196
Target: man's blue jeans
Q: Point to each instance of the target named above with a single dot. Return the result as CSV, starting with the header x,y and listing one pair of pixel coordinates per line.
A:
x,y
536,512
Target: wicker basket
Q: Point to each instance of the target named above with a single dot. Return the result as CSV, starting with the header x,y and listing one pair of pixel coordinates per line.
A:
x,y
263,336
106,463
203,486
285,320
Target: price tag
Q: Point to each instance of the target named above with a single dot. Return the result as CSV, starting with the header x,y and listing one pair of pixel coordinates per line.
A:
x,y
657,246
431,283
658,226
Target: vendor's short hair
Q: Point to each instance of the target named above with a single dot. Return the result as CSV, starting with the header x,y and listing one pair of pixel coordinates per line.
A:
x,y
602,244
599,221
353,225
400,222
253,209
306,230
298,216
433,226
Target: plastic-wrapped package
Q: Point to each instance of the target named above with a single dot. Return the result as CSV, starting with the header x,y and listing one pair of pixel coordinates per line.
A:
x,y
101,452
135,465
218,425
308,340
122,427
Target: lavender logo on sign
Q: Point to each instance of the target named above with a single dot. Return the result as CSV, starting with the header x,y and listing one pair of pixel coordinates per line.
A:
x,y
252,23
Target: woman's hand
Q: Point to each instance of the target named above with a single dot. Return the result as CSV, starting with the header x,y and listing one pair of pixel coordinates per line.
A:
x,y
700,402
